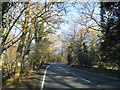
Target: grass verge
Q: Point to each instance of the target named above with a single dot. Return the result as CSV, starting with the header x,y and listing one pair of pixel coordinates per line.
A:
x,y
30,81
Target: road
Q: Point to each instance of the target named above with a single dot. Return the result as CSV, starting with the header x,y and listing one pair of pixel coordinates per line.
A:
x,y
63,76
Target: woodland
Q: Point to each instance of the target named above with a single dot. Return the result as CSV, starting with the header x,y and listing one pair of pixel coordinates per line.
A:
x,y
30,38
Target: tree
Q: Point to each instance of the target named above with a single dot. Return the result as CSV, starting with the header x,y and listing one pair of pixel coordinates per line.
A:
x,y
8,24
82,44
111,32
21,44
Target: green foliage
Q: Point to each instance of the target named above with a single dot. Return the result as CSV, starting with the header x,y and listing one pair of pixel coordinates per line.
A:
x,y
41,52
54,58
6,6
30,22
107,52
83,53
110,41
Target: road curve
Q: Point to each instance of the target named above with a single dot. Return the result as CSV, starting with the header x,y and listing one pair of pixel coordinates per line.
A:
x,y
63,76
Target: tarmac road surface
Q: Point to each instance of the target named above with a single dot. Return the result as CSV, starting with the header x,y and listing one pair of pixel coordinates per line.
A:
x,y
63,76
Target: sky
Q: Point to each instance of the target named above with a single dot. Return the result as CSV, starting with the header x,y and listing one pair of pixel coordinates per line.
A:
x,y
69,0
70,16
70,19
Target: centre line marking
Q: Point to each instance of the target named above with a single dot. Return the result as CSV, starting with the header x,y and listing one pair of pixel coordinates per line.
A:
x,y
43,81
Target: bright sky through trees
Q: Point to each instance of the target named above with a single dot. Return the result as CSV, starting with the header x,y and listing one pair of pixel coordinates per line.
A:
x,y
71,19
73,16
79,33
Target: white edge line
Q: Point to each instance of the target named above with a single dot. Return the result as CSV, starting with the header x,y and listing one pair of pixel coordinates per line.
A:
x,y
96,74
78,76
81,78
43,81
100,75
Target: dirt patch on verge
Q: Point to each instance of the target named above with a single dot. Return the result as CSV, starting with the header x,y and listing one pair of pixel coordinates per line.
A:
x,y
31,81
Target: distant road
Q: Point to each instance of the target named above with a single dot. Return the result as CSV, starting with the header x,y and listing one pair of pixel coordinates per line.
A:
x,y
63,76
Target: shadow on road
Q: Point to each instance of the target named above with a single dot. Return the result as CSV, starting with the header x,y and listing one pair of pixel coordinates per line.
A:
x,y
62,76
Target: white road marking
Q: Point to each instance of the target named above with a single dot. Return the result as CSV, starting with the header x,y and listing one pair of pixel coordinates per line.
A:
x,y
80,78
76,75
43,81
94,73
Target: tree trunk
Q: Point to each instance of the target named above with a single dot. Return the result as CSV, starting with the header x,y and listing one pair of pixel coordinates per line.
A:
x,y
26,53
21,45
